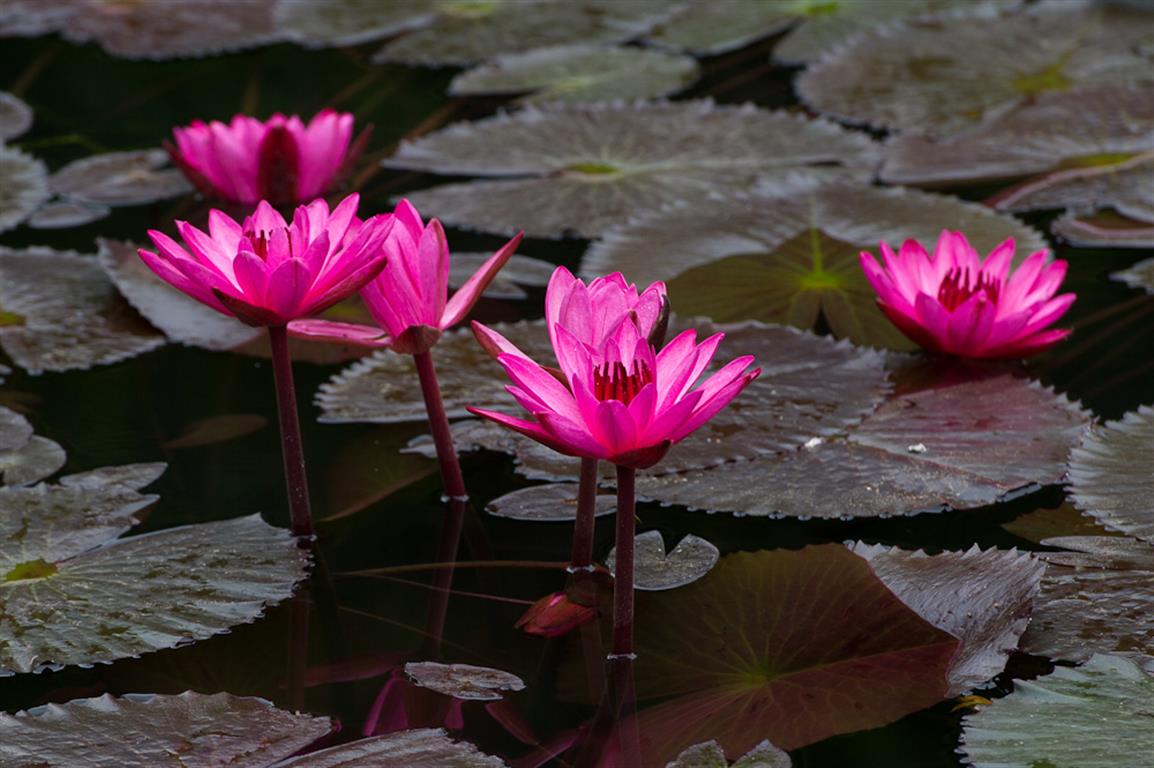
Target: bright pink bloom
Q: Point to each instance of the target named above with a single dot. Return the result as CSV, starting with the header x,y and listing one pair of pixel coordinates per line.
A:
x,y
267,271
409,299
281,159
625,402
955,303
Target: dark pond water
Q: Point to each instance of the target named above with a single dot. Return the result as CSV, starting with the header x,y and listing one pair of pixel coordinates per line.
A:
x,y
86,102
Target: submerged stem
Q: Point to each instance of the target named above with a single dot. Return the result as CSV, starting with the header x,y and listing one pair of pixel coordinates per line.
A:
x,y
582,556
623,569
290,433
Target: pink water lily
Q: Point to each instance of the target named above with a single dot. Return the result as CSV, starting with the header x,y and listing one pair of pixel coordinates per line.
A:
x,y
624,402
282,159
268,272
409,299
955,303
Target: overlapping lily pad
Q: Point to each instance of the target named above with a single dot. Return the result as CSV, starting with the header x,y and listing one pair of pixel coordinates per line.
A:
x,y
64,314
25,186
1140,275
15,116
982,598
958,443
792,258
553,502
656,570
417,748
1104,229
463,681
24,457
70,594
518,271
578,73
62,214
120,178
1093,716
940,78
581,169
1062,130
711,755
30,18
1110,477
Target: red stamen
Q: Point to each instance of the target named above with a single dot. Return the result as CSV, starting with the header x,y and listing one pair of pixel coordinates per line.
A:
x,y
612,381
956,288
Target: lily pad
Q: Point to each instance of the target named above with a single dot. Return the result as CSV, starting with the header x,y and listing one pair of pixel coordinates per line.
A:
x,y
691,559
1123,186
1140,275
70,315
944,77
1110,476
1095,599
62,214
32,18
796,646
550,503
957,444
981,598
468,31
578,73
1091,716
71,595
418,748
25,458
585,168
15,116
711,755
518,271
338,23
463,681
1103,230
792,258
120,178
1060,131
25,186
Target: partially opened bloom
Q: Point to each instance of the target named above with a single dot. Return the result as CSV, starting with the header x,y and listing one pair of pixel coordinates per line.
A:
x,y
409,299
955,303
282,159
623,402
268,272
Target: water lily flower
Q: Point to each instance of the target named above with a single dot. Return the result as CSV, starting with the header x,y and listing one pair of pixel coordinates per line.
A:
x,y
268,272
955,303
625,402
555,615
282,159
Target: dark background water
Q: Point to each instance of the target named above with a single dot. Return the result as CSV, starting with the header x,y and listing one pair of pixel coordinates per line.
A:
x,y
87,102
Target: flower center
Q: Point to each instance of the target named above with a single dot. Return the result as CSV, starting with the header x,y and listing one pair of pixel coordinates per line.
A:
x,y
259,243
613,381
957,286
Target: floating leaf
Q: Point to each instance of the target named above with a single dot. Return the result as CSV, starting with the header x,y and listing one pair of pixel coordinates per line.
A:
x,y
981,598
71,595
792,258
15,116
71,316
692,558
368,469
1095,599
1103,230
1140,275
25,458
31,18
948,76
25,186
217,429
711,755
579,73
795,646
181,318
555,502
120,178
1093,716
960,444
1061,130
463,681
338,23
586,168
62,214
1063,520
1110,476
518,270
467,31
419,748
1123,186
15,431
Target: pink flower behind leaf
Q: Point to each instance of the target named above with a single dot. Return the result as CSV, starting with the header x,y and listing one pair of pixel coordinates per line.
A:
x,y
555,615
267,271
955,303
282,159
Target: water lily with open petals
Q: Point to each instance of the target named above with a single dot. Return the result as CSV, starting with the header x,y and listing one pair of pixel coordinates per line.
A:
x,y
955,303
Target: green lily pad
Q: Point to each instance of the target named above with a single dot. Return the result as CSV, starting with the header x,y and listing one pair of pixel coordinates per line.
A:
x,y
72,317
1062,130
1140,275
1104,229
463,681
1110,476
793,258
25,458
956,444
1093,716
945,77
581,169
120,178
711,755
656,570
549,503
793,646
578,73
15,116
70,594
25,186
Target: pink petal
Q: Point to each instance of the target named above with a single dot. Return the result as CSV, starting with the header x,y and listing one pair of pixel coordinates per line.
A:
x,y
708,408
341,333
177,279
464,299
614,427
934,322
494,343
287,286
